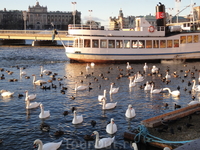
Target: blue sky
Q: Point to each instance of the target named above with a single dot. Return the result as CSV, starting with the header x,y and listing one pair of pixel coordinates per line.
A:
x,y
101,9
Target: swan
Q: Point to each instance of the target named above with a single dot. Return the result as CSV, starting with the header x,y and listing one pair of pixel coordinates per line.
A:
x,y
167,76
155,90
195,87
193,103
22,72
80,87
38,82
132,83
45,71
87,67
128,66
29,97
113,90
130,112
175,93
106,106
102,143
31,105
147,86
77,119
92,64
139,78
111,128
134,145
43,114
100,97
47,146
154,69
7,94
145,67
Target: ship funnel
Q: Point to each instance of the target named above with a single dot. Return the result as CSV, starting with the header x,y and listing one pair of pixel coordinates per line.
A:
x,y
160,15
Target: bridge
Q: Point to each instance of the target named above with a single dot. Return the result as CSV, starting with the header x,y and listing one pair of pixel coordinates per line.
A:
x,y
32,35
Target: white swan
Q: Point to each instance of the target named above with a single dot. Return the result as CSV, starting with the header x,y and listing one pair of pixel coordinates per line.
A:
x,y
130,112
134,145
47,146
193,102
145,67
29,97
111,128
31,105
7,94
106,106
167,76
113,90
80,87
22,72
77,119
147,86
154,69
175,93
102,143
87,67
128,66
195,87
138,77
155,90
132,82
92,64
38,82
100,97
45,71
43,114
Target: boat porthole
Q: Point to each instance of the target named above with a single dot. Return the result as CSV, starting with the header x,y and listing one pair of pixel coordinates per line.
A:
x,y
151,29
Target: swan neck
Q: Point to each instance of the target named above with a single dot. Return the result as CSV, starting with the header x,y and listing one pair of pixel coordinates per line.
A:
x,y
40,147
194,84
34,79
104,104
42,110
97,140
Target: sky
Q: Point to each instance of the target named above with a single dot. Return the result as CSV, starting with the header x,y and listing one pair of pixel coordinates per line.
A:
x,y
102,10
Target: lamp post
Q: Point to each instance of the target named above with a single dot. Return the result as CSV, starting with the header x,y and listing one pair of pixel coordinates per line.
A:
x,y
90,11
170,15
74,12
24,17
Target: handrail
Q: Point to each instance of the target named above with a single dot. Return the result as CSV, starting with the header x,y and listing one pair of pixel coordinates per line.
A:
x,y
31,32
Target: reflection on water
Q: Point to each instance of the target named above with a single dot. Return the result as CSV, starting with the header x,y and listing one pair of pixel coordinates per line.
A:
x,y
20,127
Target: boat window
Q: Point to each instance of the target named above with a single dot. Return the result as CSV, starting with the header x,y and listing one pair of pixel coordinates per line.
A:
x,y
149,44
169,43
141,43
86,42
176,43
196,38
76,43
189,39
126,43
183,39
111,43
95,43
155,43
103,43
162,44
134,44
119,43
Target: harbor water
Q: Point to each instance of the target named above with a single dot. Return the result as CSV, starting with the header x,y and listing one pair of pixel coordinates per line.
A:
x,y
20,127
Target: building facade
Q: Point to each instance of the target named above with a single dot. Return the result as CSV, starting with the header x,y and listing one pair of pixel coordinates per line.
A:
x,y
37,18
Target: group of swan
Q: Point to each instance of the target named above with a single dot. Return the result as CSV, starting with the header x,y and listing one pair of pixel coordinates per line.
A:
x,y
47,146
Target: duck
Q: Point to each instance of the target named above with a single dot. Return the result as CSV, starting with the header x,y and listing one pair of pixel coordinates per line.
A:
x,y
31,105
7,94
113,90
38,82
30,97
128,67
100,97
132,82
134,145
43,114
44,127
195,87
107,106
130,112
111,128
104,142
147,86
175,93
155,90
77,119
145,67
47,146
45,71
22,72
80,87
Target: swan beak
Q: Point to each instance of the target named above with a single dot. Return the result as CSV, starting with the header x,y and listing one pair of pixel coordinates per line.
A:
x,y
92,134
34,145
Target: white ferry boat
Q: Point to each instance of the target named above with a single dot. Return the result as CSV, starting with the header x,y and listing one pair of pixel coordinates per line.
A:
x,y
143,43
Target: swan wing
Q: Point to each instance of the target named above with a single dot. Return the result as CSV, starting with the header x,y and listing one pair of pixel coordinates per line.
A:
x,y
105,142
110,105
52,146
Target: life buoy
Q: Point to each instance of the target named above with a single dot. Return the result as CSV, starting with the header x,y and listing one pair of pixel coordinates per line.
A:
x,y
151,29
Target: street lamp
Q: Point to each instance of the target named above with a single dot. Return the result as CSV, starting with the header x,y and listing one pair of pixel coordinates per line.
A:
x,y
170,15
24,17
74,12
90,11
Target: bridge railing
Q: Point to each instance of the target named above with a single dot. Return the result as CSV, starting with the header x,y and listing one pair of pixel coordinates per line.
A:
x,y
31,32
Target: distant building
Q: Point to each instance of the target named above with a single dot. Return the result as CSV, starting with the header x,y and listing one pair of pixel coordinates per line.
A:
x,y
37,18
